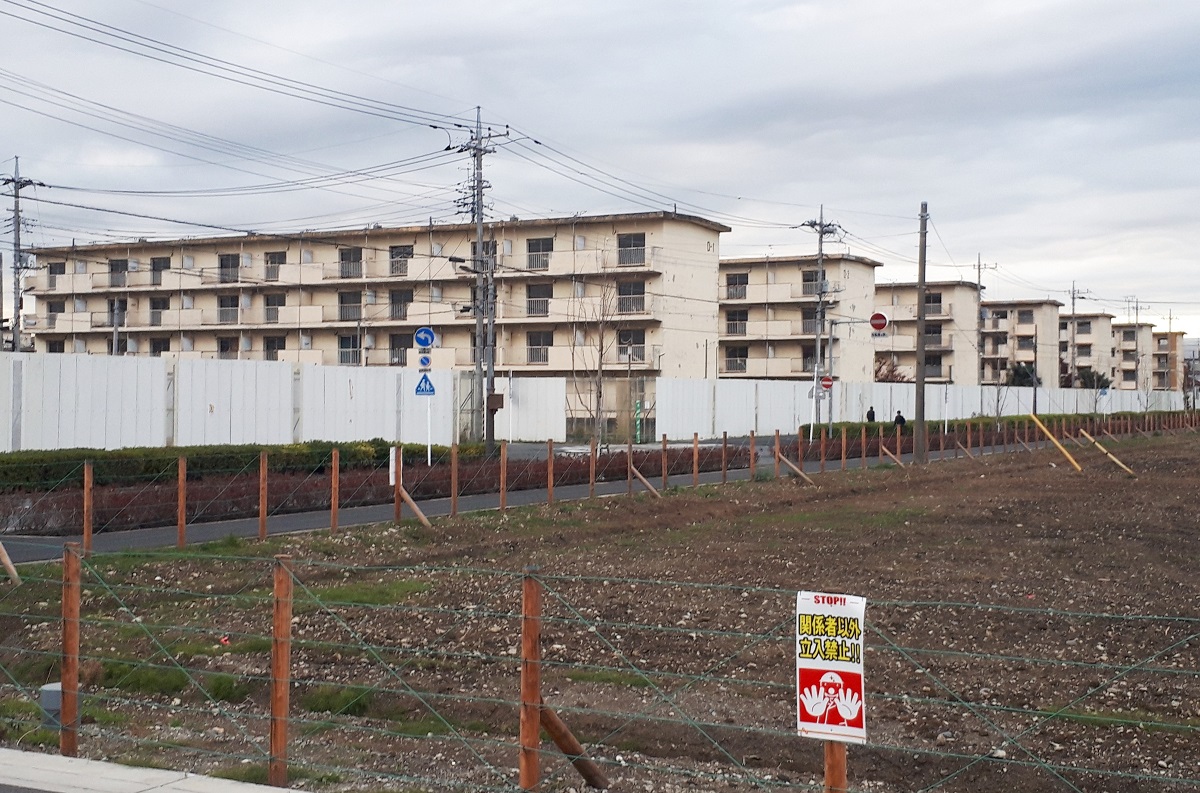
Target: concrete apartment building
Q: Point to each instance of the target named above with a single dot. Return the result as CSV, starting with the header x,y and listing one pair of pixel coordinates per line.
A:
x,y
951,330
1133,346
769,317
1020,332
629,296
1169,361
1085,343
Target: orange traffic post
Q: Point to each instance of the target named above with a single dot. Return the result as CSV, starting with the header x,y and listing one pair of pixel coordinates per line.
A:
x,y
181,504
335,484
68,736
262,495
531,679
87,507
281,673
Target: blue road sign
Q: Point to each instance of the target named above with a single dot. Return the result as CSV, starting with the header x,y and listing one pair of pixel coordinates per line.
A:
x,y
424,337
425,361
425,387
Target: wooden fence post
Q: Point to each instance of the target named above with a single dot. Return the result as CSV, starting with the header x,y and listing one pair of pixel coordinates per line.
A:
x,y
531,678
629,466
550,471
942,443
899,442
87,507
724,457
800,447
753,455
843,448
592,469
835,767
968,437
823,450
335,487
776,454
503,475
281,673
695,459
397,501
881,433
181,504
663,457
68,735
862,451
453,480
262,495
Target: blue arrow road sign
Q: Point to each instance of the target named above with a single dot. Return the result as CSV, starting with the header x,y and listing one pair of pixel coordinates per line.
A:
x,y
425,387
424,337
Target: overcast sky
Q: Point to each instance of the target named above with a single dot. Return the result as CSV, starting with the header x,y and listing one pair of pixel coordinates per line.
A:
x,y
1056,139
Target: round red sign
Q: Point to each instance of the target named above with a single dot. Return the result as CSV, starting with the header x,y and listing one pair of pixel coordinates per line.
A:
x,y
879,321
826,382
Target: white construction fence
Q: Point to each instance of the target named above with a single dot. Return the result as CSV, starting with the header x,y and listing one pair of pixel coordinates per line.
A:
x,y
101,402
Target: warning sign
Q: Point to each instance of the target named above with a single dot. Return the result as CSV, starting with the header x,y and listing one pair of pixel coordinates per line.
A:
x,y
830,700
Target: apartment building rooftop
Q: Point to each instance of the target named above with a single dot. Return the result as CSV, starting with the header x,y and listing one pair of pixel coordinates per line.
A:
x,y
928,284
1021,302
807,258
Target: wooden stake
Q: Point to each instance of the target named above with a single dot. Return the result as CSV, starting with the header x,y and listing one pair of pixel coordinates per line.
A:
x,y
777,455
645,482
550,471
453,479
1109,454
592,469
888,452
68,736
835,767
281,673
181,508
695,459
87,507
663,459
753,455
531,678
968,451
262,495
408,499
843,448
724,457
899,441
1054,440
881,444
397,509
823,449
862,452
566,742
798,471
967,448
335,486
9,567
504,475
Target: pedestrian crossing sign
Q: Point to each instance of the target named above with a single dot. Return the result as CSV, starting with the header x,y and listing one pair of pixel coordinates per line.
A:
x,y
425,387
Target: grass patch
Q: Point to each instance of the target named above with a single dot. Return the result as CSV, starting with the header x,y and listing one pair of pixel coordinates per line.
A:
x,y
369,594
39,737
141,761
1148,721
37,670
19,709
227,688
256,774
338,700
143,679
612,677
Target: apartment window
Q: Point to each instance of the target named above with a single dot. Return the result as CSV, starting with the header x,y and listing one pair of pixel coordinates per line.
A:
x,y
398,300
158,266
1062,325
537,299
933,334
227,267
933,300
349,306
1062,346
1129,335
1085,351
157,306
1000,314
272,302
1025,316
159,346
227,309
537,253
227,348
1083,328
272,345
53,309
117,309
811,283
350,262
1129,376
398,257
735,358
1026,343
735,322
56,345
538,344
121,348
933,366
272,260
735,286
489,250
117,268
1129,356
349,353
399,344
631,297
631,249
55,269
631,345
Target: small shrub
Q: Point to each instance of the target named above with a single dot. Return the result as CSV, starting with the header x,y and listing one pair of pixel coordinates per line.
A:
x,y
143,679
227,688
345,700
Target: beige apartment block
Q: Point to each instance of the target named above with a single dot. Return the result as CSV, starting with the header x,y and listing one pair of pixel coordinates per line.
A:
x,y
951,331
769,323
1133,347
628,296
1168,361
1085,343
1020,332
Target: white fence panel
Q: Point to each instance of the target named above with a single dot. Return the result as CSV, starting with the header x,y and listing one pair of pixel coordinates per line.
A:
x,y
8,416
778,406
533,409
347,403
692,407
735,407
238,402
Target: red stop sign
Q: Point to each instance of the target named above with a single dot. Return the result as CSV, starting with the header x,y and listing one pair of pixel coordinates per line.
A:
x,y
827,382
879,321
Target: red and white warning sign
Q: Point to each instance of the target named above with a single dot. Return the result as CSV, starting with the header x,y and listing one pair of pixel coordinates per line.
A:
x,y
830,701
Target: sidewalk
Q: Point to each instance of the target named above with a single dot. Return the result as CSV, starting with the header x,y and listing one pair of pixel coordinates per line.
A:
x,y
51,772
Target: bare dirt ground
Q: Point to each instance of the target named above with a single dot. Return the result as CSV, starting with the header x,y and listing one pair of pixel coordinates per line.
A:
x,y
1032,628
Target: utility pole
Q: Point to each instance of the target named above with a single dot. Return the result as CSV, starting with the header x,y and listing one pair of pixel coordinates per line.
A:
x,y
18,258
919,451
823,229
1073,364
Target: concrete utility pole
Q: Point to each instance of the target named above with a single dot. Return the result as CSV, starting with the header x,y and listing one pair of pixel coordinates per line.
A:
x,y
18,264
823,229
919,439
1073,365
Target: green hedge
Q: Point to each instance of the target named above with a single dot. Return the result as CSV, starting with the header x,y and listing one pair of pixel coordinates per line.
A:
x,y
45,470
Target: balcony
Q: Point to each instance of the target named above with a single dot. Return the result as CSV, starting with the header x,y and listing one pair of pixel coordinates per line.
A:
x,y
734,365
350,269
934,310
271,315
629,257
349,357
939,342
734,291
228,275
805,327
398,356
347,312
537,307
631,304
537,355
271,273
227,315
537,261
938,371
108,319
735,327
398,311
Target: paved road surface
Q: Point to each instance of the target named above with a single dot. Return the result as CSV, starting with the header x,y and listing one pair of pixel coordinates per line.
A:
x,y
28,772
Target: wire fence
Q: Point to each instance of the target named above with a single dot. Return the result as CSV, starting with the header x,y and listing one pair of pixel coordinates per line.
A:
x,y
410,675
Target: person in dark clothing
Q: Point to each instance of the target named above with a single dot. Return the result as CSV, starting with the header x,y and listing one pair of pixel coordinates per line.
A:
x,y
899,421
870,415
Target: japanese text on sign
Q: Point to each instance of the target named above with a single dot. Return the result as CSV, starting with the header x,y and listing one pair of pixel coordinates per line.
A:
x,y
830,699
